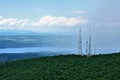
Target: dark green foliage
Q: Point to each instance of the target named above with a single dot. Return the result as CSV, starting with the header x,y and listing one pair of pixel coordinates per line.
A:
x,y
5,57
69,67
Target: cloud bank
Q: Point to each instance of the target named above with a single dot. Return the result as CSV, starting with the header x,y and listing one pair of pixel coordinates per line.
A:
x,y
47,20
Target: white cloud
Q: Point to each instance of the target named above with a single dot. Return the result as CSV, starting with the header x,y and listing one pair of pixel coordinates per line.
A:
x,y
43,21
13,22
1,17
115,23
78,12
108,22
60,21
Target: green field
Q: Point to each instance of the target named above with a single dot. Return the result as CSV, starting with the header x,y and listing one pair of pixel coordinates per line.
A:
x,y
67,67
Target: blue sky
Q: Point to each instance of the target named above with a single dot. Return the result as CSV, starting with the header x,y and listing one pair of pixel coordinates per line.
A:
x,y
59,15
56,16
64,15
34,9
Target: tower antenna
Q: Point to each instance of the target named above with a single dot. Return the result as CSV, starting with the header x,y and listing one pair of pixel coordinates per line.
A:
x,y
89,44
94,50
80,40
86,47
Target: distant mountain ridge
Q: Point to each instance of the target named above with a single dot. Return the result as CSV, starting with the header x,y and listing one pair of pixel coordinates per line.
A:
x,y
29,32
18,32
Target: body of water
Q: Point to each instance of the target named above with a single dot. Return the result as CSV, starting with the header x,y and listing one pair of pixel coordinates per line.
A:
x,y
60,44
39,49
63,50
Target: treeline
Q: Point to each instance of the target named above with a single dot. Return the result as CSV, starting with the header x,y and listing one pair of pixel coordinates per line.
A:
x,y
5,57
67,67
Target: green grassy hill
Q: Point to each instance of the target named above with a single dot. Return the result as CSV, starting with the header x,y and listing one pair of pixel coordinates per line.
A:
x,y
67,67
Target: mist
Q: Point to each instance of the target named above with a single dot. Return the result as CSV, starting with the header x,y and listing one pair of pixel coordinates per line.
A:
x,y
106,25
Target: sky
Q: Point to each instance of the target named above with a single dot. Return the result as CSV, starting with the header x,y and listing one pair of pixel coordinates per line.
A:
x,y
56,16
107,24
46,15
65,16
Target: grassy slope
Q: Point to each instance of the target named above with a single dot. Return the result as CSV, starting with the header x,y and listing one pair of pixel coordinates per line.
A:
x,y
70,67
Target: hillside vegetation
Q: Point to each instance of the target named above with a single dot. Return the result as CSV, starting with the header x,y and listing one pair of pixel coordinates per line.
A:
x,y
67,67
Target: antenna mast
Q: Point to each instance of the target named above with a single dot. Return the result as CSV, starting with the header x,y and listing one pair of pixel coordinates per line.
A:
x,y
86,47
94,50
80,40
89,51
